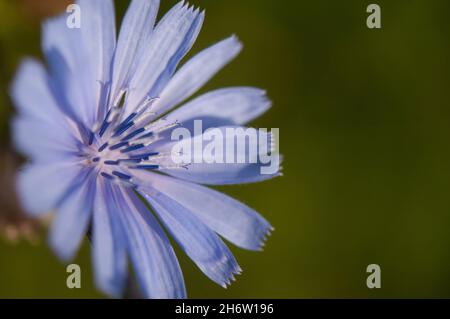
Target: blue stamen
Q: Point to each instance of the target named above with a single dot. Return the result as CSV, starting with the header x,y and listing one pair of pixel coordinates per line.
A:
x,y
123,128
133,134
103,129
107,115
131,160
111,163
133,148
105,124
150,134
144,156
121,175
106,175
129,118
95,160
145,167
102,148
91,138
118,145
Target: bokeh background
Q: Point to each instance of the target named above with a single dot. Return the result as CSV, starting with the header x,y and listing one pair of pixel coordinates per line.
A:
x,y
364,117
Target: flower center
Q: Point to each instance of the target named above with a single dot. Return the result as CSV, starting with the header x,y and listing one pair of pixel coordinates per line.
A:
x,y
119,144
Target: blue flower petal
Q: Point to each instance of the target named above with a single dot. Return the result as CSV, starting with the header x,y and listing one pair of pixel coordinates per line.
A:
x,y
228,106
200,243
38,140
72,218
205,168
32,95
109,246
39,116
135,32
172,38
156,265
223,174
72,78
196,72
231,219
98,34
41,186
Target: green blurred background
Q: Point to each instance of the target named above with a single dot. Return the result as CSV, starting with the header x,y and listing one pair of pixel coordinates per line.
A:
x,y
364,119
